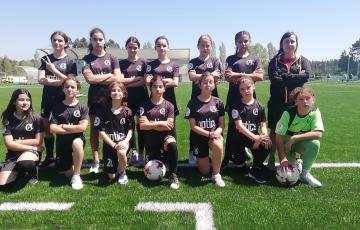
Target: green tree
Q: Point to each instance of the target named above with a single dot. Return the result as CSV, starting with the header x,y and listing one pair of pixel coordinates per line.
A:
x,y
213,50
112,44
147,45
263,54
272,51
222,55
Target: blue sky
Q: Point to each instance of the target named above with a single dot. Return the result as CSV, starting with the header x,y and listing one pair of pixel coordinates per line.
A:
x,y
325,28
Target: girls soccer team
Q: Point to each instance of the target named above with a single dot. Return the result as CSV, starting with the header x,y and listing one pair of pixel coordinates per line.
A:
x,y
117,93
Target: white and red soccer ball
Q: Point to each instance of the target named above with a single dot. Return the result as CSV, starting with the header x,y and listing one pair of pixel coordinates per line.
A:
x,y
287,177
155,170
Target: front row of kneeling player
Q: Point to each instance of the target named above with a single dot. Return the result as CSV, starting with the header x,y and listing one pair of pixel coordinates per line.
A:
x,y
298,132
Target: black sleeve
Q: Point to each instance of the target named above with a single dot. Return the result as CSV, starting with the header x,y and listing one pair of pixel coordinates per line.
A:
x,y
301,79
274,75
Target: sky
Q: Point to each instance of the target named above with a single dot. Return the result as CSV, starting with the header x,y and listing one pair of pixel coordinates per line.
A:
x,y
324,28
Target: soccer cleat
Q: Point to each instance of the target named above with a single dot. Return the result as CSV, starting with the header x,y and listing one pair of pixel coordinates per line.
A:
x,y
256,174
308,178
299,165
174,181
76,182
243,169
217,180
47,162
192,158
134,158
141,161
123,179
34,176
271,164
94,167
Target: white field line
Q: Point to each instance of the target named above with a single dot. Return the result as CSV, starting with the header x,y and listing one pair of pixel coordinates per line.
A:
x,y
203,211
35,206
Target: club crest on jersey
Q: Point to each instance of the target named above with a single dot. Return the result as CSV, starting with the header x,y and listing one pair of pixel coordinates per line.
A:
x,y
122,121
187,113
213,108
255,111
97,121
169,69
29,127
141,111
190,66
148,68
279,127
162,111
62,66
139,68
249,62
77,113
107,62
234,113
209,65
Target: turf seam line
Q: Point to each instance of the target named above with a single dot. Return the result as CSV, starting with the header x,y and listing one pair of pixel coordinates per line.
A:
x,y
35,206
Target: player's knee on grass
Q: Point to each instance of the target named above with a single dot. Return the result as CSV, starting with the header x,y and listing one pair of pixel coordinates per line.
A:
x,y
169,140
203,165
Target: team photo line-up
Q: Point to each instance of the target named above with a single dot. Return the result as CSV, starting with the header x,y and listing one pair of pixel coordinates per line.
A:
x,y
118,93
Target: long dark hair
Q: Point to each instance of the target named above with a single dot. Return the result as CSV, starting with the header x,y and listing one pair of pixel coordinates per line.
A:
x,y
106,101
11,107
238,35
287,35
62,34
92,32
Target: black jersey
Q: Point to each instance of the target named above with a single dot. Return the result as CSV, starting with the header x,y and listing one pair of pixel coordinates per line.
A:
x,y
116,126
23,129
206,114
66,65
200,66
251,115
135,69
167,70
159,112
240,65
70,115
99,65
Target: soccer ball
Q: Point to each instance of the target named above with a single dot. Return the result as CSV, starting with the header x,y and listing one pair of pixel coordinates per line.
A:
x,y
287,177
155,170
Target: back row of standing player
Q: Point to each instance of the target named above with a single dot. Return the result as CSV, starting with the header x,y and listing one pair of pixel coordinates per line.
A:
x,y
102,69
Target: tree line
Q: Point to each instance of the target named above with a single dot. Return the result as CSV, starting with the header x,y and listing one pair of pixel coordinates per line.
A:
x,y
348,62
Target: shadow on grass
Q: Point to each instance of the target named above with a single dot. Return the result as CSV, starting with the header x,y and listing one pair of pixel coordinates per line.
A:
x,y
15,186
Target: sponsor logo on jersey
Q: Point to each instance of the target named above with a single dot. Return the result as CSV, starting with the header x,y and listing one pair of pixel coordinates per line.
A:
x,y
213,109
148,68
250,126
234,113
190,66
207,124
169,69
122,121
97,121
256,111
249,62
116,136
141,111
187,113
107,62
139,68
162,111
77,113
209,65
62,66
29,127
279,127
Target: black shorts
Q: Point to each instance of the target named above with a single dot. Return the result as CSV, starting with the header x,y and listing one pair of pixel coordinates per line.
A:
x,y
11,160
154,144
275,110
111,160
64,151
200,145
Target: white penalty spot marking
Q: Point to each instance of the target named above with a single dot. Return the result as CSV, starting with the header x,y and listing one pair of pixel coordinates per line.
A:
x,y
203,211
35,206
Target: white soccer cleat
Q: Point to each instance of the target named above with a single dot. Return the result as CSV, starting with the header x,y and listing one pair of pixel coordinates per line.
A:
x,y
76,182
192,158
123,179
174,181
217,180
94,167
299,165
308,178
